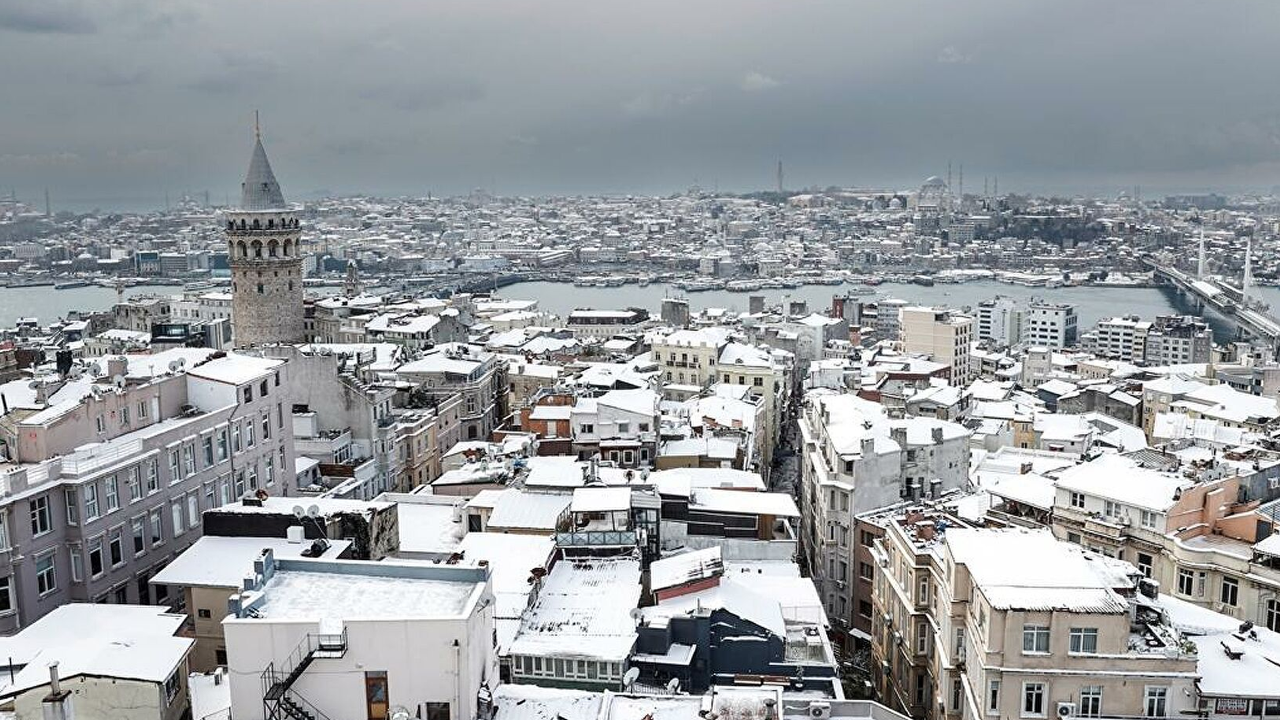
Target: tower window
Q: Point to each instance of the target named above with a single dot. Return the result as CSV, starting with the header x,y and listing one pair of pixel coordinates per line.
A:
x,y
259,288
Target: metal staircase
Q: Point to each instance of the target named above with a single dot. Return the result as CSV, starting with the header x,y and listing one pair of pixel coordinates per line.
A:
x,y
279,699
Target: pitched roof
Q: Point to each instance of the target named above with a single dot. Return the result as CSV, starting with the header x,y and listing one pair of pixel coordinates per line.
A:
x,y
260,191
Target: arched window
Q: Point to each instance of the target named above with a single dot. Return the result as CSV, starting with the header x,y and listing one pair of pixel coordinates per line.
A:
x,y
242,251
256,225
242,225
271,223
257,249
288,247
273,248
231,224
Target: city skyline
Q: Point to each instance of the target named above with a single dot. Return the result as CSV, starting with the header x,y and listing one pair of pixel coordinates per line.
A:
x,y
570,99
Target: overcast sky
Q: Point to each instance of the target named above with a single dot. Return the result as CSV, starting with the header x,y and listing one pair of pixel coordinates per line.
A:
x,y
115,102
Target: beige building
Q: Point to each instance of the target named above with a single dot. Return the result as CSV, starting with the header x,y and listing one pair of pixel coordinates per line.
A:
x,y
941,334
688,357
983,623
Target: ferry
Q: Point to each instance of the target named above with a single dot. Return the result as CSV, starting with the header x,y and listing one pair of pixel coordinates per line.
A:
x,y
71,284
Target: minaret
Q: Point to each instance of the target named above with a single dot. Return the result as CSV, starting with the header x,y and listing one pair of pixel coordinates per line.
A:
x,y
1201,260
1247,280
265,257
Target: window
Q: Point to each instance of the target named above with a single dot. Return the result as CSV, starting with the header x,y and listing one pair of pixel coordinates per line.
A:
x,y
249,438
100,423
139,536
993,697
90,501
1110,509
865,571
1156,702
188,460
235,438
437,711
6,598
961,649
170,688
96,564
157,529
1084,640
1077,499
1186,581
73,506
644,427
206,448
262,388
1145,562
266,426
279,413
222,445
957,693
4,533
134,482
193,510
922,638
922,592
115,547
41,522
1035,638
124,416
1271,615
153,476
269,464
248,389
176,512
1091,701
142,409
175,466
113,493
624,427
46,576
586,428
1230,592
1148,519
77,565
1033,699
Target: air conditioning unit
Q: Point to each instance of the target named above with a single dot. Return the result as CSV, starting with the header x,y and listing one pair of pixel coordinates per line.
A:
x,y
820,710
1066,709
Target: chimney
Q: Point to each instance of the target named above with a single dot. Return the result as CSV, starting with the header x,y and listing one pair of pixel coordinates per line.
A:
x,y
925,530
937,436
57,704
116,365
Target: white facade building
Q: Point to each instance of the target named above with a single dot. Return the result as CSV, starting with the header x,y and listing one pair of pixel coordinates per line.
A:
x,y
374,635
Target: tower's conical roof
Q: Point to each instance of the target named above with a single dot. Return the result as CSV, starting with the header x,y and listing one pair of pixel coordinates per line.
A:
x,y
260,191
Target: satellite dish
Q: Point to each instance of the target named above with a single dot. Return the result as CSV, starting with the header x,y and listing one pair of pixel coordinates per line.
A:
x,y
399,712
636,613
313,511
118,381
630,677
673,685
34,385
76,372
175,365
298,512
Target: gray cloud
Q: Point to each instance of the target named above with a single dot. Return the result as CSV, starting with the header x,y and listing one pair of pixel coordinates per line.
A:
x,y
575,96
45,17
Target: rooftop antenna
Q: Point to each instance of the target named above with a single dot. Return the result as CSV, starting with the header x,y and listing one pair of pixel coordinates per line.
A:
x,y
257,129
779,176
1201,262
961,182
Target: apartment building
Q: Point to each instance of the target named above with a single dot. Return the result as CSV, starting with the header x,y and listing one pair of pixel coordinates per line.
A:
x,y
978,623
688,357
1119,338
1049,324
106,473
1195,536
1178,340
606,323
479,377
942,334
1000,321
620,426
857,459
